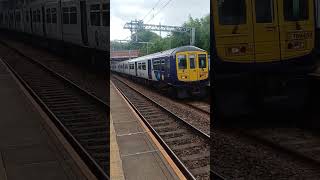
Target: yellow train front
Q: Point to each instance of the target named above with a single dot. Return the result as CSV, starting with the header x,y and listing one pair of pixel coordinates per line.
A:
x,y
262,53
262,34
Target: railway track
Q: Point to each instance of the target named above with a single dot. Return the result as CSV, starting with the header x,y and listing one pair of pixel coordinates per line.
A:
x,y
187,146
302,144
203,107
79,115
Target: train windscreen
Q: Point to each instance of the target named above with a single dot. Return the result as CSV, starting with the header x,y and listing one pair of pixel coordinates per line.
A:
x,y
182,62
202,61
295,10
232,12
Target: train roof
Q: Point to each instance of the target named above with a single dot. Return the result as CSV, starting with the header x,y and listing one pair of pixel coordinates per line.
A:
x,y
168,52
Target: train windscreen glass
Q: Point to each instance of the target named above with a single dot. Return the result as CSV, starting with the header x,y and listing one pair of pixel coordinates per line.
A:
x,y
182,61
264,11
296,10
232,12
202,61
192,60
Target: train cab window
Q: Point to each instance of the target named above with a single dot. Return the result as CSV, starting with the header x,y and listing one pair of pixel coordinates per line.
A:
x,y
105,14
144,67
156,64
192,59
295,10
264,11
54,15
163,63
139,65
202,61
73,15
95,15
232,12
48,15
182,62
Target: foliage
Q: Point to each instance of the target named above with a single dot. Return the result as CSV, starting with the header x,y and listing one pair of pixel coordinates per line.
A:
x,y
157,43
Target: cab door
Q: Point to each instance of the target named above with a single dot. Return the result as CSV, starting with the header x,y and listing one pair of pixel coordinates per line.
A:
x,y
233,30
266,31
192,67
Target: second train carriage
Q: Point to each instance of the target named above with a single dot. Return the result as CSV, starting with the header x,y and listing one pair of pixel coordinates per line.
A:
x,y
72,25
182,71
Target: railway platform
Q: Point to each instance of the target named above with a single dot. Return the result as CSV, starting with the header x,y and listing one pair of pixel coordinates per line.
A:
x,y
30,146
135,152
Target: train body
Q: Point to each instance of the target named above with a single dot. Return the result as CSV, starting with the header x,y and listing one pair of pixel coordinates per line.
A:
x,y
263,34
263,51
71,25
182,71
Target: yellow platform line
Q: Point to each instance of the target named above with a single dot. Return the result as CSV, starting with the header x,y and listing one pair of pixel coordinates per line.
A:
x,y
116,170
154,139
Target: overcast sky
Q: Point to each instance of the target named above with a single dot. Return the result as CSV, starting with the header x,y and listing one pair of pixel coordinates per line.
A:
x,y
175,13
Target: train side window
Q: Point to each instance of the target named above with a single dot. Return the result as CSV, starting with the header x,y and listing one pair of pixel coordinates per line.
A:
x,y
27,17
34,14
232,12
182,62
295,10
95,15
38,16
105,14
54,15
144,67
65,14
192,59
202,61
139,65
73,15
48,14
264,11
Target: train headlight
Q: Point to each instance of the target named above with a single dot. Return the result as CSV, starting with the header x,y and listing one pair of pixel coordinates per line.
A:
x,y
235,50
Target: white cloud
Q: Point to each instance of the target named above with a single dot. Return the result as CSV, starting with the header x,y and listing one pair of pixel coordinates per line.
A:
x,y
176,13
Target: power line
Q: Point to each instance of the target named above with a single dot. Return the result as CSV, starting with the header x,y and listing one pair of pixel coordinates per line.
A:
x,y
152,9
160,10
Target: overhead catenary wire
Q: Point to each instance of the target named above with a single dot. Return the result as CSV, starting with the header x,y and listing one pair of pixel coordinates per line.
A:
x,y
164,6
152,9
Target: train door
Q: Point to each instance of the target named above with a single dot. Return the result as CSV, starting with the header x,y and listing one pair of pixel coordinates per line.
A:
x,y
192,67
84,30
203,66
266,30
296,27
149,69
233,30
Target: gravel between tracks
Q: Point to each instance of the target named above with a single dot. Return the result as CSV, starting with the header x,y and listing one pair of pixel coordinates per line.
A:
x,y
194,117
237,157
95,83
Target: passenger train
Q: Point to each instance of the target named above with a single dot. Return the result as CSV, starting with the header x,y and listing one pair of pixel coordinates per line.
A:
x,y
76,26
182,71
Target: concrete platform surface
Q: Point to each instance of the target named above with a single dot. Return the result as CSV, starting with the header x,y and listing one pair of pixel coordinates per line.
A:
x,y
27,149
141,157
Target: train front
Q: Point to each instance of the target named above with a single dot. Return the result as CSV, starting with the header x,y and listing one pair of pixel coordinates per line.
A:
x,y
192,73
